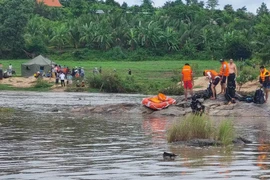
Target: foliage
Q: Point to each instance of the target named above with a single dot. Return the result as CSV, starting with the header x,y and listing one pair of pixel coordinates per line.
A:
x,y
113,83
13,17
119,32
173,89
225,132
42,84
246,74
200,127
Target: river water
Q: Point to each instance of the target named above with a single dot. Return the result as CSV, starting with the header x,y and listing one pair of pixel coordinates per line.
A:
x,y
38,144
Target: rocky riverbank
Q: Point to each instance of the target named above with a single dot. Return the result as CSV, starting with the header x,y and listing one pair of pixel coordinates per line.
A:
x,y
217,107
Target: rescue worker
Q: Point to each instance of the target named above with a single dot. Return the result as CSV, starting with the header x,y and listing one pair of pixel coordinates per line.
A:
x,y
187,79
214,79
223,73
265,81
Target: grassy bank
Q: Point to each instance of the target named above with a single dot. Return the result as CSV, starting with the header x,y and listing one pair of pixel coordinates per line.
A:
x,y
149,76
151,70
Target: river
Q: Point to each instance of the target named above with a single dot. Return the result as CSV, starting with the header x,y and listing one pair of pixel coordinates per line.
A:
x,y
36,143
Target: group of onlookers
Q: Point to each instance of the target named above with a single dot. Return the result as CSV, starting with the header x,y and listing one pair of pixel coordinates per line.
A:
x,y
226,77
7,73
66,75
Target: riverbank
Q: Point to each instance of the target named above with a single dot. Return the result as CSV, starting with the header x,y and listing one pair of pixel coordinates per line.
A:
x,y
88,104
20,83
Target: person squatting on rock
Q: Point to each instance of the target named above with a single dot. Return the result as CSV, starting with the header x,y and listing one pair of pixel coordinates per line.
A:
x,y
187,79
265,81
214,79
223,73
231,85
196,106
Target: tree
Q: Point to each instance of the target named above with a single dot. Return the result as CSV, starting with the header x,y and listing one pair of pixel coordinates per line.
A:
x,y
262,10
124,5
212,4
228,8
13,17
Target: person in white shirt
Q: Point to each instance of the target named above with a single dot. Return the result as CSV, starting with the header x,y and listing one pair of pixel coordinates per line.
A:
x,y
62,78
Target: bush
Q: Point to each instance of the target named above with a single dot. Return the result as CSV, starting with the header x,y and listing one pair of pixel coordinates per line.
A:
x,y
42,84
201,127
174,89
116,53
247,74
113,83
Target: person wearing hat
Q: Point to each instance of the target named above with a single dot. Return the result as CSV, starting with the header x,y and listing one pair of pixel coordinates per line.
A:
x,y
223,73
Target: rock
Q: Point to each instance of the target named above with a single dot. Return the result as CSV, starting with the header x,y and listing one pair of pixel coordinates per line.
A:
x,y
171,111
225,107
183,104
241,141
212,108
55,110
202,142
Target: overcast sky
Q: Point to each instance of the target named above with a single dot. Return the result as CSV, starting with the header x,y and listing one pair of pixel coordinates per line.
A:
x,y
251,5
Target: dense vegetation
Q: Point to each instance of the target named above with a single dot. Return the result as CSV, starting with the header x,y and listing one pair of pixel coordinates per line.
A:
x,y
102,30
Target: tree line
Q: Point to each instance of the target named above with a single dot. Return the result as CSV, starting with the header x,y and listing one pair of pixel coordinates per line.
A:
x,y
190,29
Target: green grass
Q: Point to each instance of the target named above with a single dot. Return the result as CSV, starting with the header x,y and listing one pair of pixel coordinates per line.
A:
x,y
40,85
6,110
225,132
143,71
200,127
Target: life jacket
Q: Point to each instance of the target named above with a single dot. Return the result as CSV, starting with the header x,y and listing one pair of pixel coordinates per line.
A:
x,y
264,76
187,73
224,72
213,73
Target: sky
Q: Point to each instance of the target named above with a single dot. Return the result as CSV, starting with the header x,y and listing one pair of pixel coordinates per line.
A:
x,y
251,5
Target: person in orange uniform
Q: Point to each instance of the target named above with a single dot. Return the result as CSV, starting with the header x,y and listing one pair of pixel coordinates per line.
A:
x,y
223,73
214,79
265,81
187,79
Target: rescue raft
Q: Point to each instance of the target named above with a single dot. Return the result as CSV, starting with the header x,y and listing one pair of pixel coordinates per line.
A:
x,y
158,102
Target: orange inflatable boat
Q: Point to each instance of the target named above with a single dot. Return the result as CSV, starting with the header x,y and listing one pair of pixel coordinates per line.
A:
x,y
158,102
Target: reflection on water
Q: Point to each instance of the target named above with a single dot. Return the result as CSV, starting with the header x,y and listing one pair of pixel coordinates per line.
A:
x,y
62,147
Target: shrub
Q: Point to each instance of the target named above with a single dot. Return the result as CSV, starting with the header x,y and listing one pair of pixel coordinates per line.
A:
x,y
173,89
247,74
113,83
201,127
40,83
116,53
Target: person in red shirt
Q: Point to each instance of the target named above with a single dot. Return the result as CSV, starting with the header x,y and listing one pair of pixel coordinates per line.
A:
x,y
187,79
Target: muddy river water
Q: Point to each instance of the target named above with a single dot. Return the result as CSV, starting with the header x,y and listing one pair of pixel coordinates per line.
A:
x,y
36,143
